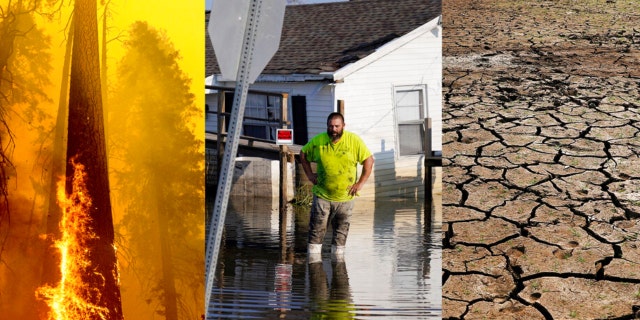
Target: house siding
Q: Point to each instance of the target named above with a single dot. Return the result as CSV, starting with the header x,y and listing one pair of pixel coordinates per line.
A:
x,y
369,110
319,96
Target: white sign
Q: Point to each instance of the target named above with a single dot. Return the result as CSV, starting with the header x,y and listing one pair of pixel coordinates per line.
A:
x,y
227,30
284,136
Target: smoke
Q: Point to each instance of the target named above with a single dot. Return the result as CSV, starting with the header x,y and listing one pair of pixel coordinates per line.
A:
x,y
25,105
157,164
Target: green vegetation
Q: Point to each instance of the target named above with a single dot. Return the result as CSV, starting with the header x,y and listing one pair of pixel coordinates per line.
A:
x,y
535,284
575,232
303,196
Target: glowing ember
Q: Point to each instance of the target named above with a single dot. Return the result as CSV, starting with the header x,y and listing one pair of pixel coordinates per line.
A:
x,y
71,298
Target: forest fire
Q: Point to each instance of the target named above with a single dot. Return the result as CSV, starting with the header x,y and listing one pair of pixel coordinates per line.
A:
x,y
73,297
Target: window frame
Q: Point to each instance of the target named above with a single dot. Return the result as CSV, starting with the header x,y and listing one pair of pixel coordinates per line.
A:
x,y
423,110
262,106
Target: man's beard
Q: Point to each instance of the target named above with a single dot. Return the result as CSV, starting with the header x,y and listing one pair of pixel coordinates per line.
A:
x,y
335,135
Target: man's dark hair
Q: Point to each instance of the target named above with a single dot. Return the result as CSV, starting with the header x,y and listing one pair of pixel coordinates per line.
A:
x,y
334,115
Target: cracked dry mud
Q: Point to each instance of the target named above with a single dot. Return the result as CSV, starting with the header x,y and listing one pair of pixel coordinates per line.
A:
x,y
541,187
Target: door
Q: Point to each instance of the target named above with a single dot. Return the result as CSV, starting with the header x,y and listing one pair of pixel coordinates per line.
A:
x,y
299,110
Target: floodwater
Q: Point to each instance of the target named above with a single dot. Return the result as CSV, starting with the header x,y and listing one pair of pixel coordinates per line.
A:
x,y
391,268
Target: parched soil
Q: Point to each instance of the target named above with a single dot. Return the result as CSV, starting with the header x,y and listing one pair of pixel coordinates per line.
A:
x,y
541,186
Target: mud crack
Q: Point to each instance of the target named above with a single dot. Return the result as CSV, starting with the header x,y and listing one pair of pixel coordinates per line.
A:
x,y
541,187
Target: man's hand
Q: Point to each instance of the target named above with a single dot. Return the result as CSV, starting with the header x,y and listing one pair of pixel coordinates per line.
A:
x,y
354,189
367,167
306,165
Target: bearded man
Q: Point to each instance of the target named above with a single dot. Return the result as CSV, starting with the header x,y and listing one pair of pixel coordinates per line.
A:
x,y
337,154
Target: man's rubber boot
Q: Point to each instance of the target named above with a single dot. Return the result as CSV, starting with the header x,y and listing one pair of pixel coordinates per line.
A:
x,y
314,252
337,253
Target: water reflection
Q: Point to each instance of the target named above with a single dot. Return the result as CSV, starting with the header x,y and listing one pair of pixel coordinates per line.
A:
x,y
391,267
333,299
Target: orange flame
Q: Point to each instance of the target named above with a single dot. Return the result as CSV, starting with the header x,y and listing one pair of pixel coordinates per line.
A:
x,y
71,298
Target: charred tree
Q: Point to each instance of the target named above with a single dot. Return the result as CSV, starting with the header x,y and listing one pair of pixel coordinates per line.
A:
x,y
86,145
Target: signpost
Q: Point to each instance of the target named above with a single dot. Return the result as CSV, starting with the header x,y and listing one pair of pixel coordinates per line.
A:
x,y
245,35
229,25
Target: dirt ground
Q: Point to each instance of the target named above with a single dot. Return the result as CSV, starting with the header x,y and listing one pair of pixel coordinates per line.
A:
x,y
541,186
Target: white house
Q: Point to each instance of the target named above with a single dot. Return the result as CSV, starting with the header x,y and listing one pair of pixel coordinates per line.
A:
x,y
378,61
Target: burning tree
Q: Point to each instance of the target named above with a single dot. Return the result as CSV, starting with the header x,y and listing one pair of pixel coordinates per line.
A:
x,y
80,277
88,235
86,144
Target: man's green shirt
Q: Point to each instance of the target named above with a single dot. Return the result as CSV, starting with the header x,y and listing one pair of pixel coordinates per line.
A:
x,y
336,164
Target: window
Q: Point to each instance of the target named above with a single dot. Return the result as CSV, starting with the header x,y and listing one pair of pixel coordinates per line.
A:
x,y
410,114
262,116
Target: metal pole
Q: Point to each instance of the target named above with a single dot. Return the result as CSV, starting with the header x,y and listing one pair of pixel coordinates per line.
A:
x,y
228,162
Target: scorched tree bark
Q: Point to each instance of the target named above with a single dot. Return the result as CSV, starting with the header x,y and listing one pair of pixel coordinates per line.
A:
x,y
86,143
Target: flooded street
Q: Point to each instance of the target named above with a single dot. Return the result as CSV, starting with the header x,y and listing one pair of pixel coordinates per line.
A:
x,y
391,267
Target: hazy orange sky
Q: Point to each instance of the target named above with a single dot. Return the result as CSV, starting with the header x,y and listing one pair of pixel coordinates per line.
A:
x,y
182,21
184,24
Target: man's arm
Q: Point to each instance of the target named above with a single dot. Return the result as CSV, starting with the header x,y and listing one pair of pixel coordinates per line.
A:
x,y
367,168
306,165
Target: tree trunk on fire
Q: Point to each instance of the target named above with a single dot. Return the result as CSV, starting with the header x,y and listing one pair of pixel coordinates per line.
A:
x,y
86,143
51,276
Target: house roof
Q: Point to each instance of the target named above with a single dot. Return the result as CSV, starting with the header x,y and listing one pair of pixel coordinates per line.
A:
x,y
325,37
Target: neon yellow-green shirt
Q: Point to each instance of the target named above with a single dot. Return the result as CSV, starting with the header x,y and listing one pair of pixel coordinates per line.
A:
x,y
336,164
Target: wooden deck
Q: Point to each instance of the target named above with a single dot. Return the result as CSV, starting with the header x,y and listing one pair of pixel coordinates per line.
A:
x,y
252,147
247,147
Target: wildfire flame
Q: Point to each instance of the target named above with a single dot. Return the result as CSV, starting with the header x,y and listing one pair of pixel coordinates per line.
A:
x,y
71,298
